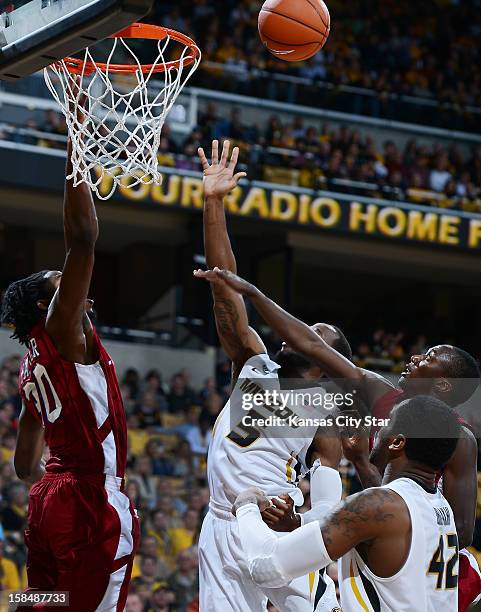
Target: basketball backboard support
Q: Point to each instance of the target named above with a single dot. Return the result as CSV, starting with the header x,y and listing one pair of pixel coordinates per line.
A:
x,y
43,31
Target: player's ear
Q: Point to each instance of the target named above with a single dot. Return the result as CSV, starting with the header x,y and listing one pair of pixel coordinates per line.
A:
x,y
442,386
397,443
43,304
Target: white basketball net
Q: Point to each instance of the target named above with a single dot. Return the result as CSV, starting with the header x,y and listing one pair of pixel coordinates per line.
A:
x,y
119,137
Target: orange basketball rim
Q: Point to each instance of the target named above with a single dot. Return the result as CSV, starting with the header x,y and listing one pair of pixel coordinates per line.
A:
x,y
145,31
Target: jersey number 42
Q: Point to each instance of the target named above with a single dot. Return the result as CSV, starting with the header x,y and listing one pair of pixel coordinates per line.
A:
x,y
445,568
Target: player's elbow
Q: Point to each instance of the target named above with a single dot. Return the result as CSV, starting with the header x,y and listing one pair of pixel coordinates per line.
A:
x,y
265,572
23,468
22,472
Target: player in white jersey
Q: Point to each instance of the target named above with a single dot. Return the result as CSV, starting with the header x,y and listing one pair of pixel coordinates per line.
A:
x,y
397,544
241,456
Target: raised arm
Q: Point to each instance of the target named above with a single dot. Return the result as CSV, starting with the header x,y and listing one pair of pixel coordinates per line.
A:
x,y
239,341
65,319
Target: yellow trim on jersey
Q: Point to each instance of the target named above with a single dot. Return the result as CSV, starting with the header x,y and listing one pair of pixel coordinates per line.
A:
x,y
357,592
289,469
312,579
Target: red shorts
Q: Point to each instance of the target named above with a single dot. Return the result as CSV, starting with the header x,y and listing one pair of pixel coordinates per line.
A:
x,y
469,585
82,537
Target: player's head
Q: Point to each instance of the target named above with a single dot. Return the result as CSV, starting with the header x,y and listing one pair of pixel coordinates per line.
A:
x,y
423,431
26,302
294,364
444,371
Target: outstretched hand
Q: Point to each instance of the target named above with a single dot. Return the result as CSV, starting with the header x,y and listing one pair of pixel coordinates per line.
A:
x,y
219,177
217,276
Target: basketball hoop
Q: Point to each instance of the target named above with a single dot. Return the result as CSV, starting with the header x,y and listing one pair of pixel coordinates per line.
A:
x,y
119,136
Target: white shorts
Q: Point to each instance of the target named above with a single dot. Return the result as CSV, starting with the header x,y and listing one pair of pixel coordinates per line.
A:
x,y
225,582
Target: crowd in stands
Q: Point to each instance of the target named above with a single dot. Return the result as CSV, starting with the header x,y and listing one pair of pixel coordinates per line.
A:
x,y
339,158
388,351
428,49
169,429
318,155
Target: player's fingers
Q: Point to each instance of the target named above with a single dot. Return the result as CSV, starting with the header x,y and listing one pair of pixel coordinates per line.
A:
x,y
239,175
270,517
215,152
278,503
234,158
203,158
225,153
203,274
273,512
287,499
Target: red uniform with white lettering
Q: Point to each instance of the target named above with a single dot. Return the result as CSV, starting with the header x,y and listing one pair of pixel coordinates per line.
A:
x,y
82,531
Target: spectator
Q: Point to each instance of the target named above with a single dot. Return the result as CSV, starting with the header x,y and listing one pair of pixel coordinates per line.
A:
x,y
439,175
9,578
160,532
132,380
161,464
149,548
183,537
163,598
180,396
134,603
199,436
148,569
148,411
184,580
14,516
146,481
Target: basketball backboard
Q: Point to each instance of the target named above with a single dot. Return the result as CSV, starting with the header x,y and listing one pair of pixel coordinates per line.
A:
x,y
35,33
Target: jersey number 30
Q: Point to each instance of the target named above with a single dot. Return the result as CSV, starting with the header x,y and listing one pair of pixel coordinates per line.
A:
x,y
445,568
43,388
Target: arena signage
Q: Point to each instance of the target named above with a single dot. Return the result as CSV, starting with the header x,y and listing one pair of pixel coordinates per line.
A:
x,y
324,210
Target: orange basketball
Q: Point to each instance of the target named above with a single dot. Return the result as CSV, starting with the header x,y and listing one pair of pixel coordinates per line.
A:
x,y
294,30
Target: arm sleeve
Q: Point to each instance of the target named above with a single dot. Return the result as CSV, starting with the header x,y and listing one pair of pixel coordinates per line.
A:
x,y
274,561
326,492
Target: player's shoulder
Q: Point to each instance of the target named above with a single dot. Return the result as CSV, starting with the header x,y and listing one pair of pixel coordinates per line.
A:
x,y
25,369
380,505
259,366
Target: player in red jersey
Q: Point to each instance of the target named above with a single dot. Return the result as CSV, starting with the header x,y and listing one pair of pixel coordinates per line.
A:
x,y
82,530
446,372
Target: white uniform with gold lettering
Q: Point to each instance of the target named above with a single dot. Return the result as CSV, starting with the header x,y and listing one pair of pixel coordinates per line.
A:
x,y
239,458
428,580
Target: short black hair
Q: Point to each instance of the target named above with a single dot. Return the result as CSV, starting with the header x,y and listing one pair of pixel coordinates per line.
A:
x,y
431,428
341,344
19,306
461,365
